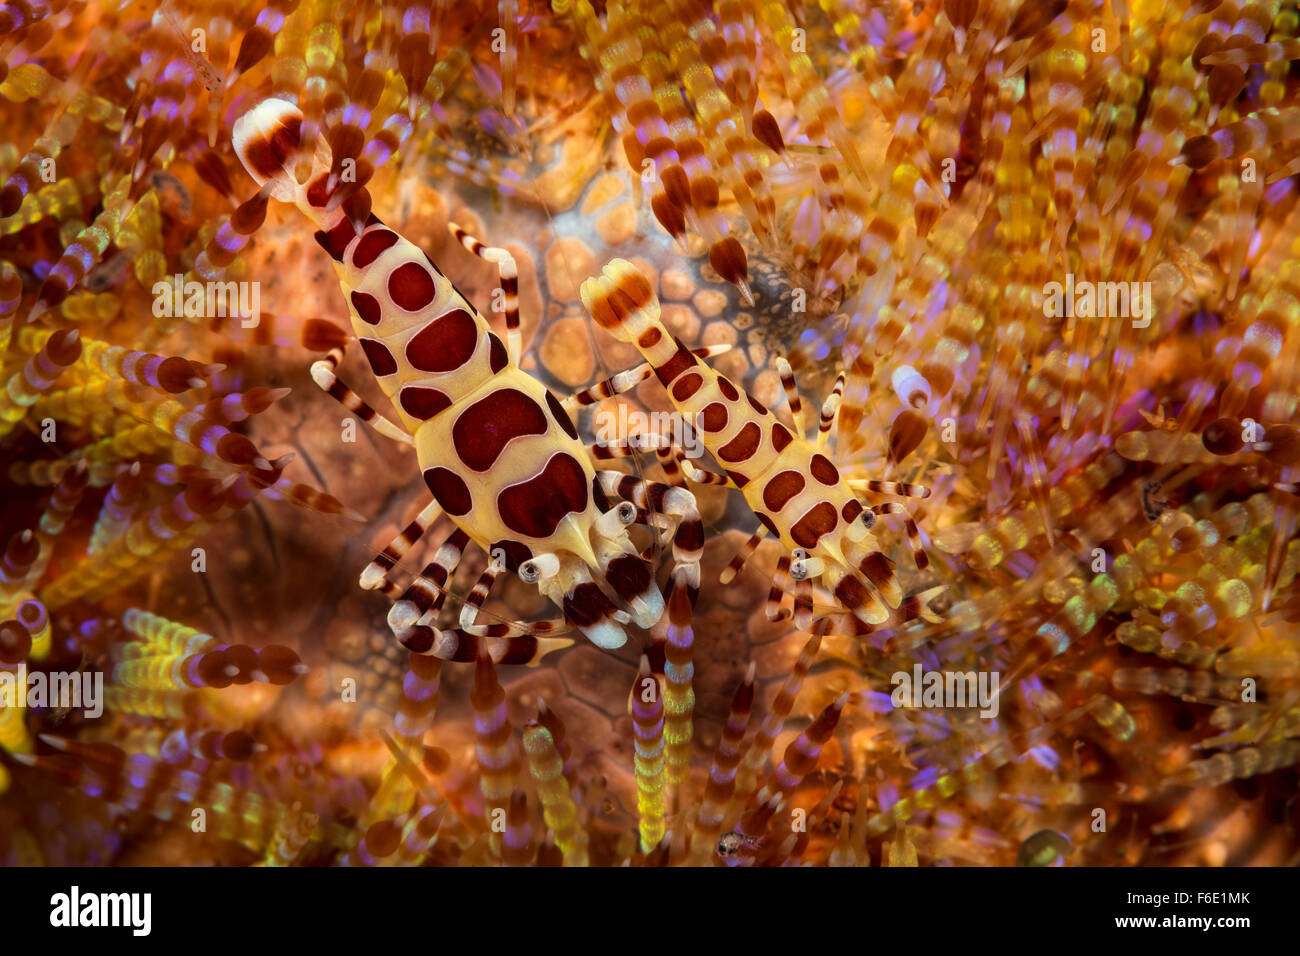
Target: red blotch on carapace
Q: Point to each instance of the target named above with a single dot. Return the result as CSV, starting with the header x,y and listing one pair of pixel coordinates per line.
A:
x,y
534,508
484,429
444,344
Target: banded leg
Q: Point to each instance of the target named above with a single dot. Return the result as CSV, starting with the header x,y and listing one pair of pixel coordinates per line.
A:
x,y
780,583
678,469
626,381
614,385
804,570
669,460
385,586
633,445
427,592
913,533
700,476
323,374
792,395
918,605
672,458
469,611
912,607
831,410
901,488
509,272
375,574
803,603
743,554
473,608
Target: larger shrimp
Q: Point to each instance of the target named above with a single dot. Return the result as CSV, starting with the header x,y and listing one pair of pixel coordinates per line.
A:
x,y
498,451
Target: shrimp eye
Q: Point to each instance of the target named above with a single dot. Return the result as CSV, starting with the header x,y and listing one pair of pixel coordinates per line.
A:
x,y
529,572
627,512
868,518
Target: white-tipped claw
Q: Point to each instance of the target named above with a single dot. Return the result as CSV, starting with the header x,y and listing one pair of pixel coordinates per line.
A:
x,y
606,635
371,578
402,616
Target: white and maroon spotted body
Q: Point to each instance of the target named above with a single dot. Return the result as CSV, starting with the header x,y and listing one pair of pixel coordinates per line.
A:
x,y
481,425
796,492
498,452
